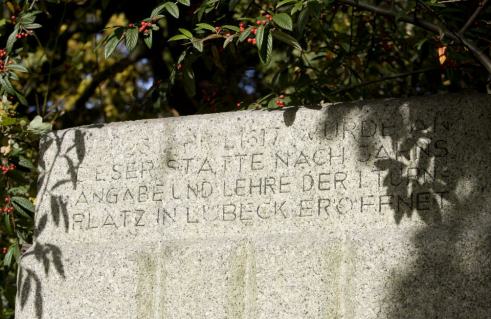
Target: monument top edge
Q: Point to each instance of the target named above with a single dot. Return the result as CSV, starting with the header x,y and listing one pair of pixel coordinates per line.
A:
x,y
323,107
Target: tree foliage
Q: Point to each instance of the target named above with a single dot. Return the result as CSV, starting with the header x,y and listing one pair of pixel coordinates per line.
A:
x,y
67,63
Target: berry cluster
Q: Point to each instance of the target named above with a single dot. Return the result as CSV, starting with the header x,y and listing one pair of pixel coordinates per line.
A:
x,y
3,66
4,250
24,34
144,26
7,209
280,102
6,169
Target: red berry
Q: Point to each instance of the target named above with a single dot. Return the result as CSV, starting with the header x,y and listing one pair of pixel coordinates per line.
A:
x,y
31,32
268,16
228,34
146,31
238,104
6,70
130,25
154,19
13,17
480,4
6,199
217,28
282,96
264,22
258,22
254,41
257,105
143,24
249,40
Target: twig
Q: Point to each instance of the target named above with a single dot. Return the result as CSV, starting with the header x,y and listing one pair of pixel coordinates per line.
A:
x,y
472,18
480,56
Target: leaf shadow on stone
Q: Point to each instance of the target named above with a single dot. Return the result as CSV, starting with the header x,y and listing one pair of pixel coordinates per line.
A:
x,y
450,275
71,153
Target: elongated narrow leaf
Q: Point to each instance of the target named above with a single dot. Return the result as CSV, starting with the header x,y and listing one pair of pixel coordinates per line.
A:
x,y
24,162
288,39
21,97
266,48
148,39
188,79
283,20
198,45
227,41
11,40
186,33
131,38
315,8
6,85
245,34
282,3
185,2
17,67
302,20
206,26
260,36
178,37
9,256
33,26
111,45
20,210
157,11
231,27
24,202
173,9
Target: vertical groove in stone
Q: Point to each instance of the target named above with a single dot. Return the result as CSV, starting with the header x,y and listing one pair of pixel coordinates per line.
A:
x,y
150,285
241,282
333,265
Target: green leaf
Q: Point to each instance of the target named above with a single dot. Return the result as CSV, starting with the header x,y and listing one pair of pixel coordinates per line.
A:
x,y
231,27
37,126
302,20
24,162
288,39
157,11
5,83
185,2
188,79
266,47
111,45
232,4
33,26
24,202
284,21
314,8
206,26
21,97
131,38
7,121
187,33
19,190
198,45
148,37
178,37
10,255
284,2
227,41
19,209
13,76
245,34
11,40
260,36
18,67
173,9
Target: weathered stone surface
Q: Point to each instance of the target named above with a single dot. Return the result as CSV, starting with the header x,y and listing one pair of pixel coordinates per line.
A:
x,y
377,209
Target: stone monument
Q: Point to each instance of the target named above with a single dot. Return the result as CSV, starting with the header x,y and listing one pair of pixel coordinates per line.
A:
x,y
371,209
